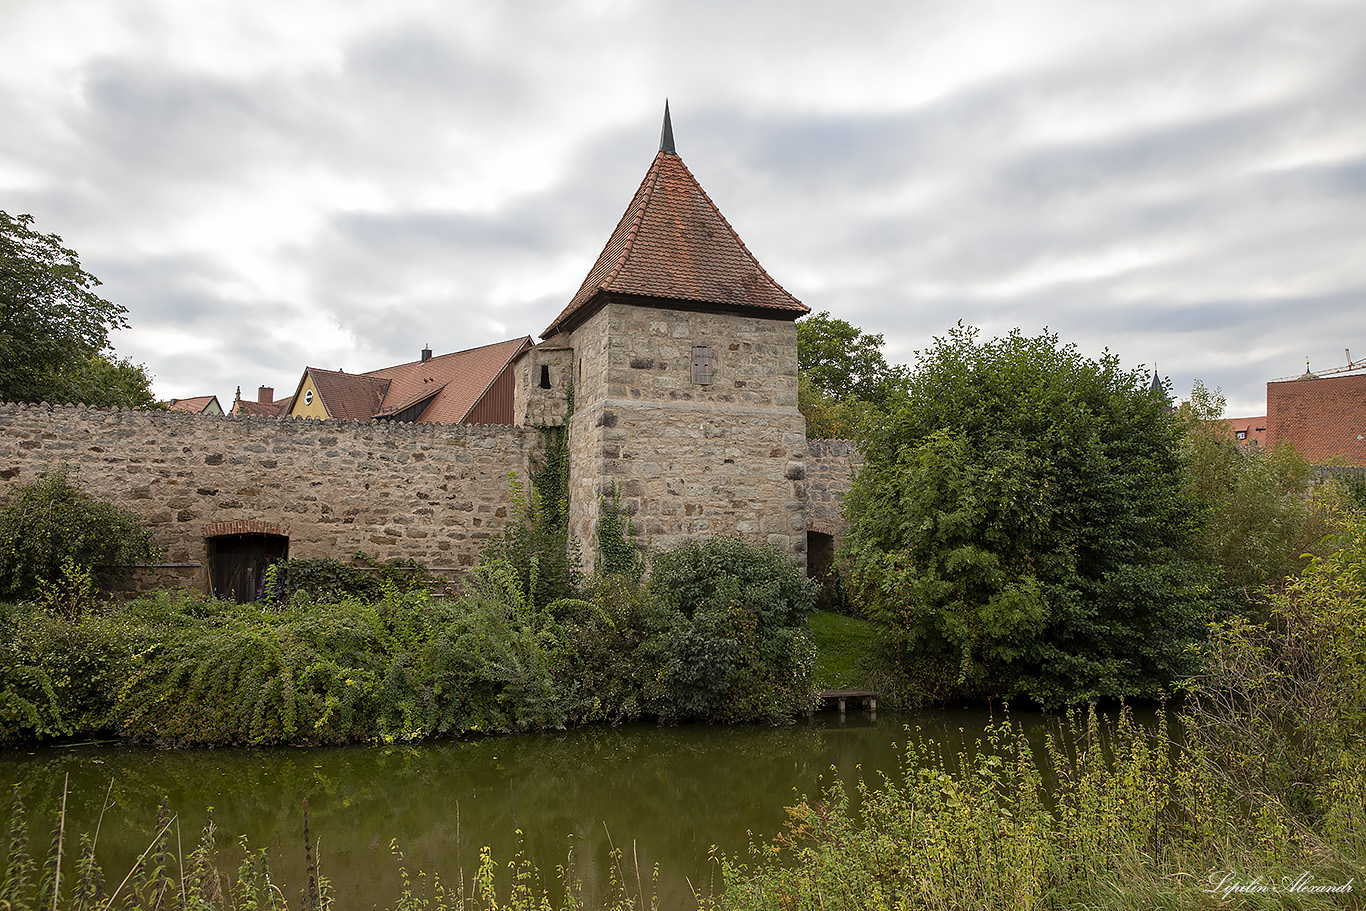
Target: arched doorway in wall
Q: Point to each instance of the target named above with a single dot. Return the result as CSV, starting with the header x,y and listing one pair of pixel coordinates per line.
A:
x,y
820,559
240,553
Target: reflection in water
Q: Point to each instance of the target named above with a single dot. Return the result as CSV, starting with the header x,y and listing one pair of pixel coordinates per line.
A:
x,y
665,795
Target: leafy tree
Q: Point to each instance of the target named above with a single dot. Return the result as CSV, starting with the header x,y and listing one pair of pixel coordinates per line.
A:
x,y
1020,525
842,375
54,328
51,521
1262,514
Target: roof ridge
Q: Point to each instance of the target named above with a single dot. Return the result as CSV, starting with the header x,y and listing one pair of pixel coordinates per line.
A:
x,y
437,357
672,243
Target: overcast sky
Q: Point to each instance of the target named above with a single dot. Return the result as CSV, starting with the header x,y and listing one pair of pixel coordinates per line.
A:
x,y
267,186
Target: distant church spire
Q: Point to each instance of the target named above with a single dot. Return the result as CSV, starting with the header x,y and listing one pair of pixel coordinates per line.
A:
x,y
666,135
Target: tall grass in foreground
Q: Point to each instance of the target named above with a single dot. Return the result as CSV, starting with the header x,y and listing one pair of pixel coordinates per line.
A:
x,y
1104,816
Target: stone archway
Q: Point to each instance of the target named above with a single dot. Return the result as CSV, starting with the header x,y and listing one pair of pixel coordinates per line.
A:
x,y
239,554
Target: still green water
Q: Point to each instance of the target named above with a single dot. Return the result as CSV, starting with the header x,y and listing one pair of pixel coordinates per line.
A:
x,y
661,795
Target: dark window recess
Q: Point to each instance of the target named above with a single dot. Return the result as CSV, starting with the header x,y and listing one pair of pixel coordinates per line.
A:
x,y
545,376
238,563
703,366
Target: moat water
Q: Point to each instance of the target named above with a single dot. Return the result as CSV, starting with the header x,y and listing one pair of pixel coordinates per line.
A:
x,y
664,797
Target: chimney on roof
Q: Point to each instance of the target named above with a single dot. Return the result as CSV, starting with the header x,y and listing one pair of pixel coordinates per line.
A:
x,y
426,353
666,135
265,395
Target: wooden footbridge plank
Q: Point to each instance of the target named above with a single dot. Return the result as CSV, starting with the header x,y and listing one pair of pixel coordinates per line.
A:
x,y
867,698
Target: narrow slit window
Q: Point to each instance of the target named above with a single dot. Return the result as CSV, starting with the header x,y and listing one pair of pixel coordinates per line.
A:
x,y
545,376
703,366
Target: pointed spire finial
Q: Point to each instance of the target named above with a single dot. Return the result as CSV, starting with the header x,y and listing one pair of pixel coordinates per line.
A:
x,y
666,135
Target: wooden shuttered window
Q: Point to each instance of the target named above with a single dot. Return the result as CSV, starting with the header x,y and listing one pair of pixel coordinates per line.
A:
x,y
703,366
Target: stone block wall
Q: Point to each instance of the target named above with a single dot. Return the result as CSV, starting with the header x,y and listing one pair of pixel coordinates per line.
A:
x,y
689,460
542,406
830,468
429,492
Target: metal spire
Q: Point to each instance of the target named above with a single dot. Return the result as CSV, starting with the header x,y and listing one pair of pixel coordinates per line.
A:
x,y
666,135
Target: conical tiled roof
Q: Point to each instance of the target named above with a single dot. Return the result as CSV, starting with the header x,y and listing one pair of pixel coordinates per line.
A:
x,y
673,243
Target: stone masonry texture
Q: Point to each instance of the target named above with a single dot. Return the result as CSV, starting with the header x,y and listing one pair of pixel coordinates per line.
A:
x,y
430,492
688,460
685,459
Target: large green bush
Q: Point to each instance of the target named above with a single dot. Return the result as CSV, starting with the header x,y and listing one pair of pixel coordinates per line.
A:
x,y
730,640
51,520
1020,526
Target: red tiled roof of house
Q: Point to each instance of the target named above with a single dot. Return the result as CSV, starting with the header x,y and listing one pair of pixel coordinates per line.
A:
x,y
192,405
1248,430
673,243
454,382
450,385
348,396
273,409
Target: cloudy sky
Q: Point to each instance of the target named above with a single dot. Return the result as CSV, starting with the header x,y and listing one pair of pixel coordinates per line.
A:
x,y
272,185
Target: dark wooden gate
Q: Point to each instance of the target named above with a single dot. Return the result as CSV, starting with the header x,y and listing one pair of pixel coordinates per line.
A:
x,y
238,563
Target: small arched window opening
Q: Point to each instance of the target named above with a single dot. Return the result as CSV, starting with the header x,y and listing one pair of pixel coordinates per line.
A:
x,y
545,376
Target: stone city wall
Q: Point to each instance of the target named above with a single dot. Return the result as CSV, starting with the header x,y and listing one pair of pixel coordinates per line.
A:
x,y
429,492
830,468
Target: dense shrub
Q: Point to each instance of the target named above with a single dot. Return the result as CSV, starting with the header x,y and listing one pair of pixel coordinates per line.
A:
x,y
719,636
52,520
729,640
59,678
1281,704
364,577
397,668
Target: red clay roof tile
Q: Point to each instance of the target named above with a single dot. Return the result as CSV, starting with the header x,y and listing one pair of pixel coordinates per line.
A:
x,y
348,396
451,385
673,243
193,405
461,379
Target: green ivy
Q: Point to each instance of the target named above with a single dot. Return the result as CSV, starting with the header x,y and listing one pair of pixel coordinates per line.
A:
x,y
51,521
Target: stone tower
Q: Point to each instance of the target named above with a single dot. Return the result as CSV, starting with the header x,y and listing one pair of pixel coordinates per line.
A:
x,y
683,356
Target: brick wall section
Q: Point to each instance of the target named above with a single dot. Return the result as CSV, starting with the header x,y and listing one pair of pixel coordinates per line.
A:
x,y
1324,418
690,460
429,492
830,469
